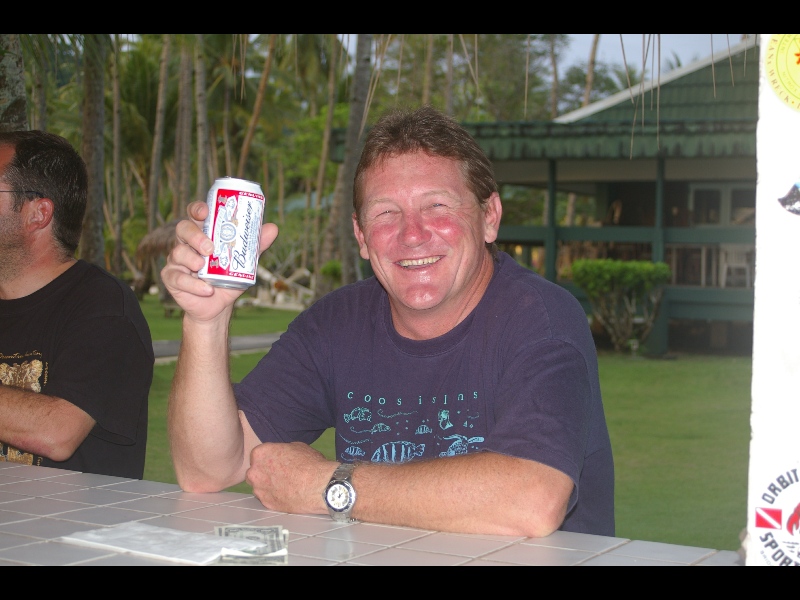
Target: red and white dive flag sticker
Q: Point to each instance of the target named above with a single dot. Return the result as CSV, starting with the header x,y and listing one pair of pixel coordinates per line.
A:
x,y
769,518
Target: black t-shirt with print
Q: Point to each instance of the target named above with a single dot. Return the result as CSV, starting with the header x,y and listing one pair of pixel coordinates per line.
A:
x,y
83,338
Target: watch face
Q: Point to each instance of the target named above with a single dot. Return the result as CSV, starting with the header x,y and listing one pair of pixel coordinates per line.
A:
x,y
338,496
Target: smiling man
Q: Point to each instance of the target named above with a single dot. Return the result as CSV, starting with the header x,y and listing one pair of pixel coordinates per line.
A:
x,y
463,387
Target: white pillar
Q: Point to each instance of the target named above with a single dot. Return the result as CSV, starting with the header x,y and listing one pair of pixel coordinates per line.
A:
x,y
773,501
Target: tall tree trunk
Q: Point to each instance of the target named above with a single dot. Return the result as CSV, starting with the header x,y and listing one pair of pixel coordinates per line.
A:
x,y
448,87
331,239
213,153
183,133
39,97
117,162
554,68
590,70
281,193
352,152
428,77
306,225
226,131
204,172
13,102
94,59
262,88
158,136
323,159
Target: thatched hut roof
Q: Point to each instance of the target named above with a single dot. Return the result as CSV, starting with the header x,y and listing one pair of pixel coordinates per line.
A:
x,y
158,242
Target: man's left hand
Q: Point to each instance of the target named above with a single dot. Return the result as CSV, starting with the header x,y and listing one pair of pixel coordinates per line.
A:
x,y
290,477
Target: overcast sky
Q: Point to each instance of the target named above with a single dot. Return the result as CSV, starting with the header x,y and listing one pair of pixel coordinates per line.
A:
x,y
688,47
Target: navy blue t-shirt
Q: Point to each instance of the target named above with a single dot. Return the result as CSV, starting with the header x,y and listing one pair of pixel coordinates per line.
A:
x,y
518,376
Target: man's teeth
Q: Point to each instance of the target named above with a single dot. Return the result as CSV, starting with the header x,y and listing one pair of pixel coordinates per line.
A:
x,y
418,262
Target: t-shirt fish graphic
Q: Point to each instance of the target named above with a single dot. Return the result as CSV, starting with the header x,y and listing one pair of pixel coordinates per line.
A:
x,y
398,452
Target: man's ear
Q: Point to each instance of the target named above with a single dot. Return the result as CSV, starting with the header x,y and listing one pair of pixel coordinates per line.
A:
x,y
38,213
492,213
362,243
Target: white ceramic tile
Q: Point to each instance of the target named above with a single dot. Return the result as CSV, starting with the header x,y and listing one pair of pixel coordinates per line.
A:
x,y
46,528
328,549
38,487
81,501
9,478
210,497
145,487
307,561
723,558
407,558
374,534
300,524
246,502
577,541
9,497
8,465
9,540
616,560
160,505
106,515
224,514
97,496
448,543
50,554
90,479
525,554
661,551
43,506
482,562
9,516
30,472
128,560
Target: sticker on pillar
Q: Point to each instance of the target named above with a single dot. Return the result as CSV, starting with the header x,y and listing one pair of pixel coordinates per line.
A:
x,y
777,521
791,201
782,67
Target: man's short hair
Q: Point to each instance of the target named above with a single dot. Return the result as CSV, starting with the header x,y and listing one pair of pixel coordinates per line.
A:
x,y
404,131
48,166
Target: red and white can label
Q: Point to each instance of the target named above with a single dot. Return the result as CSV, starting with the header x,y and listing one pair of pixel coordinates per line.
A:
x,y
235,212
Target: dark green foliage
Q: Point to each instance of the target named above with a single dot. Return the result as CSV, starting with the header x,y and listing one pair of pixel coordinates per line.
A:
x,y
624,295
333,271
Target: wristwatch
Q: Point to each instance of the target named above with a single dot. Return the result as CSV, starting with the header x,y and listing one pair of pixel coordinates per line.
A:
x,y
340,495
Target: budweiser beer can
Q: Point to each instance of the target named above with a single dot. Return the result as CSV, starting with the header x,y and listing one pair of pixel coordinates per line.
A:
x,y
235,212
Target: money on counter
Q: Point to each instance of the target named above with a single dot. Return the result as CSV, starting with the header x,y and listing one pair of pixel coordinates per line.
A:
x,y
272,545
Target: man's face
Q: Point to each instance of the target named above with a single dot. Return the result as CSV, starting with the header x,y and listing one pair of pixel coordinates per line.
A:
x,y
11,231
424,235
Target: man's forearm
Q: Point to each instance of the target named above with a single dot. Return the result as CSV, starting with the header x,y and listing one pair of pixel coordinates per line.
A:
x,y
40,424
206,436
476,493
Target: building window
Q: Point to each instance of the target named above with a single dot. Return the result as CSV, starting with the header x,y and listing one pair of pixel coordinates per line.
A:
x,y
722,204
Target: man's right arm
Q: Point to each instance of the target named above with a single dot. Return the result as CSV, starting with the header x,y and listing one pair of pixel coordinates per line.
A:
x,y
209,441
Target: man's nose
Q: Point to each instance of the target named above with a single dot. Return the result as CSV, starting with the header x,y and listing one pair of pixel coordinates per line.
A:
x,y
413,230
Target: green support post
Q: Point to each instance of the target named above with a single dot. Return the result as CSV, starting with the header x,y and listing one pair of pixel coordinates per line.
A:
x,y
550,250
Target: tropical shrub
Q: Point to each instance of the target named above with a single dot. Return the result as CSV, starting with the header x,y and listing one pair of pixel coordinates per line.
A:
x,y
624,295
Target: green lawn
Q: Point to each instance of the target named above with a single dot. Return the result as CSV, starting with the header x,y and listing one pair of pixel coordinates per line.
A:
x,y
247,320
680,431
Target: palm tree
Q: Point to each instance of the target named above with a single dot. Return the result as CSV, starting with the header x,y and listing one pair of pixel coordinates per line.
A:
x,y
158,135
92,247
262,86
13,101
